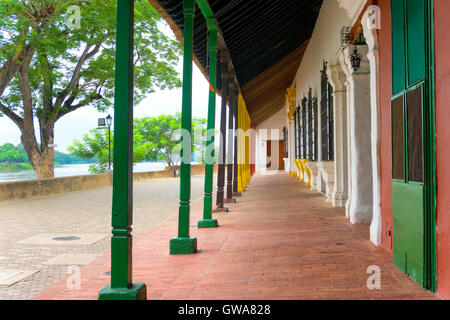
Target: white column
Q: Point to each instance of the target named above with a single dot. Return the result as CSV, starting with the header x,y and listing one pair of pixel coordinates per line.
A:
x,y
338,80
361,204
349,154
347,134
370,24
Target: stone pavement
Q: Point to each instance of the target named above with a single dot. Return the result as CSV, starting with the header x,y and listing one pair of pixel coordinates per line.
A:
x,y
78,213
280,241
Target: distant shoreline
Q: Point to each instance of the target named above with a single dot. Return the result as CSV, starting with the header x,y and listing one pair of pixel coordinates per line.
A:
x,y
6,167
14,167
67,170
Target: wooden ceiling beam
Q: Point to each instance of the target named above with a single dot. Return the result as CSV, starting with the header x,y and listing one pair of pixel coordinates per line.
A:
x,y
265,95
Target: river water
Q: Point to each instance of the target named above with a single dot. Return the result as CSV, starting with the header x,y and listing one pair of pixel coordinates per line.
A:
x,y
75,170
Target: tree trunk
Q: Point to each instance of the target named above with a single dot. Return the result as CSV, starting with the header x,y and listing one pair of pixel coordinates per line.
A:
x,y
42,158
45,168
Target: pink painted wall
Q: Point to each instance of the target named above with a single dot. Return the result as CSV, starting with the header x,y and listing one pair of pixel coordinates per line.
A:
x,y
442,53
442,82
385,51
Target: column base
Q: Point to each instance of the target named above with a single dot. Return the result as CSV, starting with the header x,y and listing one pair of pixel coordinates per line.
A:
x,y
180,246
138,291
237,194
232,200
339,199
207,224
221,210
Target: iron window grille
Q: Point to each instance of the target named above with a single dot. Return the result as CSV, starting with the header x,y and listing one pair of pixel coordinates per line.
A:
x,y
330,123
312,126
326,119
285,138
295,135
304,130
315,129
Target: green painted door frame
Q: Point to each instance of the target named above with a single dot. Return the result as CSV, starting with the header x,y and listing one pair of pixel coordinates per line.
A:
x,y
121,287
414,202
430,152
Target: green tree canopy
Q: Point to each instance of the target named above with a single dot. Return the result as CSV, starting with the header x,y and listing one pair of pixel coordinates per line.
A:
x,y
94,145
10,153
154,139
50,67
13,154
163,133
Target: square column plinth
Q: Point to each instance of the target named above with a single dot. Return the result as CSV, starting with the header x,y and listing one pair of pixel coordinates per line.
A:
x,y
208,223
180,246
138,291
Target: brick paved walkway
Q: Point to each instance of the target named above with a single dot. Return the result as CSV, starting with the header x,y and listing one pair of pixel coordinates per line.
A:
x,y
84,212
281,241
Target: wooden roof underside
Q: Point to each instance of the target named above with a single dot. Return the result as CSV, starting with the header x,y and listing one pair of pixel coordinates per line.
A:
x,y
265,95
265,41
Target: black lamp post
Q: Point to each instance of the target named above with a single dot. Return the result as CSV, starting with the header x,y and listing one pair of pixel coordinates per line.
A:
x,y
109,123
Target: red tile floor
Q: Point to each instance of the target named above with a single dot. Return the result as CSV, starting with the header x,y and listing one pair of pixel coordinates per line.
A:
x,y
280,241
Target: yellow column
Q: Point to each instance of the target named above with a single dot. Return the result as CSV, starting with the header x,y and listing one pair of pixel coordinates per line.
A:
x,y
246,143
244,146
241,147
292,103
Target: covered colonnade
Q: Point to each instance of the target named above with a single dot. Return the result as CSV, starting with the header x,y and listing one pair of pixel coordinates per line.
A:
x,y
312,88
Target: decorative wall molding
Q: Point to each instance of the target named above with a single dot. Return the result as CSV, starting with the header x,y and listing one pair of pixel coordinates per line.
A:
x,y
338,81
353,8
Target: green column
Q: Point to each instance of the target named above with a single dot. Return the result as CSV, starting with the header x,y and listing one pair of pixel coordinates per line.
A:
x,y
121,287
207,221
183,244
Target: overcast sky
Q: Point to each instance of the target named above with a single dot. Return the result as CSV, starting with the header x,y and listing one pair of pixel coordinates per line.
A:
x,y
76,124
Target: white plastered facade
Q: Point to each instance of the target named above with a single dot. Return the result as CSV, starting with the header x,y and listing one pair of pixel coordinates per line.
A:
x,y
352,180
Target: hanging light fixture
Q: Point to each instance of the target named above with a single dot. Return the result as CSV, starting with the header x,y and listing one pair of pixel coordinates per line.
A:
x,y
355,59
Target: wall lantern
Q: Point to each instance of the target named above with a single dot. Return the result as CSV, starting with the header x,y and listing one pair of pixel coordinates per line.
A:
x,y
355,59
101,122
107,123
109,120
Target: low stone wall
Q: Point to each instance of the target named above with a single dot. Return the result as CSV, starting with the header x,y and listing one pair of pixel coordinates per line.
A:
x,y
19,190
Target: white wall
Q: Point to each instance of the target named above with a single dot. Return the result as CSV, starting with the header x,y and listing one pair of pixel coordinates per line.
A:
x,y
271,129
325,44
353,8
